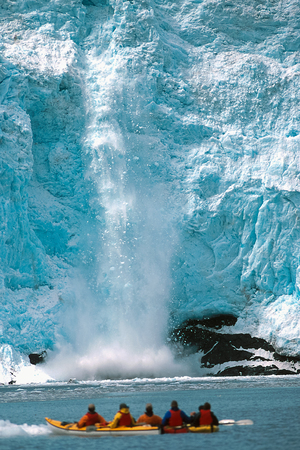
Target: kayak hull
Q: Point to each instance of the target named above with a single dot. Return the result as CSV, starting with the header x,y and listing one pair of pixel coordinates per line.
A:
x,y
204,429
188,429
69,429
175,430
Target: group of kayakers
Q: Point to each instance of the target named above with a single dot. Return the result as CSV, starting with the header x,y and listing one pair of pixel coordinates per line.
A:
x,y
174,418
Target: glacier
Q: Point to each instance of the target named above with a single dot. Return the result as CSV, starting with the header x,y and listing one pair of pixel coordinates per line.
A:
x,y
149,155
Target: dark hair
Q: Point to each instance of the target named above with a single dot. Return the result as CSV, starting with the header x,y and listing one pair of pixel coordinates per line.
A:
x,y
174,404
149,407
206,405
91,408
201,407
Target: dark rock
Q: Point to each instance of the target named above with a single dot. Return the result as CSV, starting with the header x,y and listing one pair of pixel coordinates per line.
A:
x,y
292,359
196,336
215,322
204,339
253,370
37,358
223,352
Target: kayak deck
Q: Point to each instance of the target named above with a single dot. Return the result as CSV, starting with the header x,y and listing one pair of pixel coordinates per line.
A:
x,y
191,429
204,429
71,429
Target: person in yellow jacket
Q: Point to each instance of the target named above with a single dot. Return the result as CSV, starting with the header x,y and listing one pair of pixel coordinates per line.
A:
x,y
123,418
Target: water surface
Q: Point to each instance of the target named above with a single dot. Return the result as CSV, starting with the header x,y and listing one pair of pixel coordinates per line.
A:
x,y
273,403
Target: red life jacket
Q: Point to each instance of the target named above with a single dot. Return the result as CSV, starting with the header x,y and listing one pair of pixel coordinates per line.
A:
x,y
175,419
206,417
92,419
125,420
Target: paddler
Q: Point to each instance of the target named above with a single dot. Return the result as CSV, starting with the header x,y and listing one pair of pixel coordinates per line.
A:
x,y
205,416
149,417
123,418
91,418
175,418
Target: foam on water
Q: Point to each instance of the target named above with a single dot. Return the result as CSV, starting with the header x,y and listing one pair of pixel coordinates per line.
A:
x,y
9,430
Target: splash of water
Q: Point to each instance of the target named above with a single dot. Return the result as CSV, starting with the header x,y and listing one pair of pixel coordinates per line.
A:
x,y
119,321
121,326
8,429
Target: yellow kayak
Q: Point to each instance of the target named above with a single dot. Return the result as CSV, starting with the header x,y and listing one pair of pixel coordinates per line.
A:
x,y
94,430
204,429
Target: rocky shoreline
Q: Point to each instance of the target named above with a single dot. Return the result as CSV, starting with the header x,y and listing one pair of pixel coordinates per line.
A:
x,y
225,354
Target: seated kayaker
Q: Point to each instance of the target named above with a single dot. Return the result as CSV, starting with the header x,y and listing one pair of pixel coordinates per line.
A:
x,y
175,417
205,416
91,418
149,417
123,418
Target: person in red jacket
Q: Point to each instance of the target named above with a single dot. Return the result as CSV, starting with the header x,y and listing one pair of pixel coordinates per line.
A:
x,y
205,416
149,417
174,419
91,417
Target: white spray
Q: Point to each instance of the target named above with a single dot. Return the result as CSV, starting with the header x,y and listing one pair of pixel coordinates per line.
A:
x,y
121,320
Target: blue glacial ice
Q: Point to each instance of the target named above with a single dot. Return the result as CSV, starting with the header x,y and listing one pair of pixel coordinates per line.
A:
x,y
149,155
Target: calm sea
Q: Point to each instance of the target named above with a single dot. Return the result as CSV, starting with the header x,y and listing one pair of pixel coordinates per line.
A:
x,y
273,403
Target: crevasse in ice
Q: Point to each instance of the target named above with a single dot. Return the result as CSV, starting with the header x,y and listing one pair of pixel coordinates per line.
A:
x,y
149,155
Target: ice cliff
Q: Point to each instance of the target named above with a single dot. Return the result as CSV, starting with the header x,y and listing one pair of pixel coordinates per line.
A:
x,y
149,155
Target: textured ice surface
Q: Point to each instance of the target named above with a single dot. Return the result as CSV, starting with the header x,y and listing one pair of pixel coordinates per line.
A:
x,y
149,157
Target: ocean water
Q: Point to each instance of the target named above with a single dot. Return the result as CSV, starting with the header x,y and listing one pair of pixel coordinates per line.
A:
x,y
273,403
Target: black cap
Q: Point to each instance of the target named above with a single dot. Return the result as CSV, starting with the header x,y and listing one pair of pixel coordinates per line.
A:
x,y
123,405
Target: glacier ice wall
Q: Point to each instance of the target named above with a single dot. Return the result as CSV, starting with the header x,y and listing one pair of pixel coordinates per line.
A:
x,y
149,171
